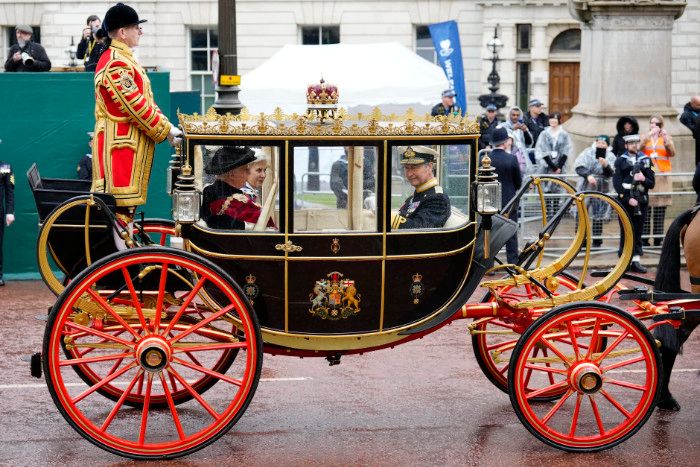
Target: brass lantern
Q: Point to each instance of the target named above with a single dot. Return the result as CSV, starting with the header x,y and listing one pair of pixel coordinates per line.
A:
x,y
488,197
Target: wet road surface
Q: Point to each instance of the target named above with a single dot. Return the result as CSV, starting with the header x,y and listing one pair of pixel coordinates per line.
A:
x,y
423,403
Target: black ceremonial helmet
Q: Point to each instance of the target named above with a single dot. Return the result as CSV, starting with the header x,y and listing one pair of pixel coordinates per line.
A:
x,y
119,16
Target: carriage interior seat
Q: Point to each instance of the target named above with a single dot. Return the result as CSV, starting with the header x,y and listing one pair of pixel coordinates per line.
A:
x,y
51,192
335,220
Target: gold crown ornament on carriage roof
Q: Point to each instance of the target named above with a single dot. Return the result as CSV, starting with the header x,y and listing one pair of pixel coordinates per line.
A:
x,y
322,100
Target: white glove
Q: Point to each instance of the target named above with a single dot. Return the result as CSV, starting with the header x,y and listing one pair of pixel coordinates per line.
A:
x,y
174,136
9,219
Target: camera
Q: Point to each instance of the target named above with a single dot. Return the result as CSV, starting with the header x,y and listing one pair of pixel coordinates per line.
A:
x,y
27,59
600,153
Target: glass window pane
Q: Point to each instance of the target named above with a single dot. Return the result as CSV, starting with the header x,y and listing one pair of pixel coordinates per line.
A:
x,y
213,38
428,54
330,35
523,37
567,41
199,60
198,38
196,82
208,84
323,201
452,173
242,194
423,38
523,84
310,35
208,102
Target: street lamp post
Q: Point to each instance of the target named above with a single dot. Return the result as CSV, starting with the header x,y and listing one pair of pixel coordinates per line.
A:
x,y
228,79
499,100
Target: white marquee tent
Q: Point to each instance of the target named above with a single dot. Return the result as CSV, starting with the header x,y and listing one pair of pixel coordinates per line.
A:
x,y
387,75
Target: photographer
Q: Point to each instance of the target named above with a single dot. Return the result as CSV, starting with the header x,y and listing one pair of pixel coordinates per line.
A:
x,y
595,167
633,178
26,55
89,42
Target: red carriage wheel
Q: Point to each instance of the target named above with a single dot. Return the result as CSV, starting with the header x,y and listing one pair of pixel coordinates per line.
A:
x,y
608,394
152,351
493,339
158,231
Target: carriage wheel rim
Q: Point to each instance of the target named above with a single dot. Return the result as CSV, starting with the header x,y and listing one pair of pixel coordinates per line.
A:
x,y
191,441
609,436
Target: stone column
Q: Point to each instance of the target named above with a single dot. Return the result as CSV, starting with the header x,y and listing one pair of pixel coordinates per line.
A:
x,y
626,70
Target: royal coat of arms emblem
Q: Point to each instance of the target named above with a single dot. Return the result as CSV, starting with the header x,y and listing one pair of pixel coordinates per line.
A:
x,y
334,297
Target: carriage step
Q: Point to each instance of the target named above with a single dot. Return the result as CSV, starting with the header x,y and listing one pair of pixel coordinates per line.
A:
x,y
637,293
35,365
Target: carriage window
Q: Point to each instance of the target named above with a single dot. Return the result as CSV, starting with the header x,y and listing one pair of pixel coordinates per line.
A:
x,y
335,188
240,187
421,198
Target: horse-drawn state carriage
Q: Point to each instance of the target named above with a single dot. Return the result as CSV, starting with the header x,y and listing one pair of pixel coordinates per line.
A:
x,y
155,350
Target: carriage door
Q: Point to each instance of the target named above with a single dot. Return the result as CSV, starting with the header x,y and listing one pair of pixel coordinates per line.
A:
x,y
334,242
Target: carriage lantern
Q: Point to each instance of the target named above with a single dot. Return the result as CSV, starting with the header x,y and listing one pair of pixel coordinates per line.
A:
x,y
186,197
488,197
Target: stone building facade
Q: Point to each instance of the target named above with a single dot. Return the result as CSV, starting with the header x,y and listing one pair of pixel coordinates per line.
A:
x,y
539,57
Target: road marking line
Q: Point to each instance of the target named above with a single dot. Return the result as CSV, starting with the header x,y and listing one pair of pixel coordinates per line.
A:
x,y
77,385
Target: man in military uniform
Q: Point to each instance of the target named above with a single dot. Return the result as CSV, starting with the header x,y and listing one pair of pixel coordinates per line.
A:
x,y
7,204
429,207
633,178
487,123
225,204
128,123
447,106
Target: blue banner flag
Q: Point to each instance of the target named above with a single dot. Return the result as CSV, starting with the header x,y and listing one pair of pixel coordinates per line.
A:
x,y
446,42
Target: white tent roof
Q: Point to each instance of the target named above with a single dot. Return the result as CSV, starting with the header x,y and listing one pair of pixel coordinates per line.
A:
x,y
384,74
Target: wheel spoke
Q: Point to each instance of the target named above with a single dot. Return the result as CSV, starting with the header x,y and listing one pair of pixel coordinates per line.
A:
x,y
594,337
134,298
547,369
146,408
120,402
101,301
203,347
631,361
185,304
554,349
528,373
194,393
546,389
596,413
206,371
171,405
498,345
108,379
625,384
574,343
557,406
105,336
205,321
102,358
617,341
161,295
574,417
504,370
615,403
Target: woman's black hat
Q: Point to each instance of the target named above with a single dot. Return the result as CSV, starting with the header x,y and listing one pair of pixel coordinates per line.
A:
x,y
119,16
227,158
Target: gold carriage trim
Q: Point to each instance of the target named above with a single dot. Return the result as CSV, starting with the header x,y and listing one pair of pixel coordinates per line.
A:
x,y
340,124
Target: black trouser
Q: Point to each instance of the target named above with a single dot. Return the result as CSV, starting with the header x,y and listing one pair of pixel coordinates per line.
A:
x,y
512,251
657,216
2,233
637,228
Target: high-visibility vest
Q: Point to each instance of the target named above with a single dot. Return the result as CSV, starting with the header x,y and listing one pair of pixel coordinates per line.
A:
x,y
662,161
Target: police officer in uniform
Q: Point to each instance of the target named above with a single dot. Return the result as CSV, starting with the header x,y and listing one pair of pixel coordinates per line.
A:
x,y
428,207
447,106
633,178
7,204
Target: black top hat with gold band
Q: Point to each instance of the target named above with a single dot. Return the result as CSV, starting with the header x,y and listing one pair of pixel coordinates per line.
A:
x,y
416,155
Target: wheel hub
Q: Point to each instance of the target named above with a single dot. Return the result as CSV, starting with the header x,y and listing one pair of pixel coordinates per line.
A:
x,y
586,378
153,354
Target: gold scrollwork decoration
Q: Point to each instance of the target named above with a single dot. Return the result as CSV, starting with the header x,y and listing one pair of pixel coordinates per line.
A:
x,y
288,246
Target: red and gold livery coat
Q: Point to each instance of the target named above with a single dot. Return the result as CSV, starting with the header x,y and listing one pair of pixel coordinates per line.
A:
x,y
128,124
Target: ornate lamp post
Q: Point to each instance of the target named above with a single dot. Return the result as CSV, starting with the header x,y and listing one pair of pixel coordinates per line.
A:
x,y
228,79
499,100
72,52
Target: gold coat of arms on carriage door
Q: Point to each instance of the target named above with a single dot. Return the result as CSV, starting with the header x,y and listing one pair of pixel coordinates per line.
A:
x,y
334,297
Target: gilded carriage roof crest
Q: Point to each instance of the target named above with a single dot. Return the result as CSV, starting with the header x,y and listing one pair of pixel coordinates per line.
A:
x,y
335,297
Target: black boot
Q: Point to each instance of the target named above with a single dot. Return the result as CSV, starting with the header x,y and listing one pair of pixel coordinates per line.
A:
x,y
638,268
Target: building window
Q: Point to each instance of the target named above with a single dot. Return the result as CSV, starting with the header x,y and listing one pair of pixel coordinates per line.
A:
x,y
523,31
204,42
320,35
424,44
522,84
567,41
